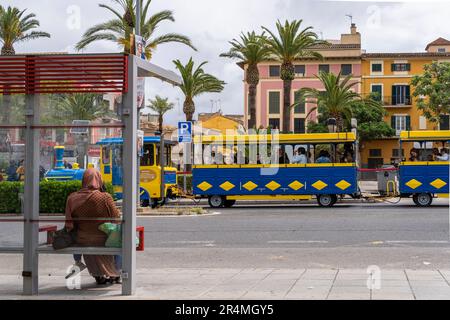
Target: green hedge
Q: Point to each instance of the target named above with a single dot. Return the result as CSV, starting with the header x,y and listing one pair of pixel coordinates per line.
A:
x,y
180,182
53,195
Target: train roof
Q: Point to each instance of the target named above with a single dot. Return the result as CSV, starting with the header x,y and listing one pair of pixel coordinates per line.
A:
x,y
281,138
120,141
426,135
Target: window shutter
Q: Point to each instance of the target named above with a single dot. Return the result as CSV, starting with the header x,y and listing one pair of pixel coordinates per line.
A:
x,y
408,123
392,67
394,95
393,122
408,67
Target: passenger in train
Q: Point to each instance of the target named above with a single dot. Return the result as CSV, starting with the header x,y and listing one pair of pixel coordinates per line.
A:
x,y
444,155
300,156
324,157
413,155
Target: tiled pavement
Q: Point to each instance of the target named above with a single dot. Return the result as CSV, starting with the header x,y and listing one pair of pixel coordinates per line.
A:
x,y
251,284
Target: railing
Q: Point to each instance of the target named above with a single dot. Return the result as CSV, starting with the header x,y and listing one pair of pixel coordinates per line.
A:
x,y
397,101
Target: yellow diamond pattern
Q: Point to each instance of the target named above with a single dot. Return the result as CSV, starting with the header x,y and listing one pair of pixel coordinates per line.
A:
x,y
319,185
438,183
343,185
273,185
413,184
227,186
250,186
204,186
296,185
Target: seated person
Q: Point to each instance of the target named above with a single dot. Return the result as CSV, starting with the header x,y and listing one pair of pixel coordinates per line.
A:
x,y
300,156
324,157
430,158
444,155
436,153
413,155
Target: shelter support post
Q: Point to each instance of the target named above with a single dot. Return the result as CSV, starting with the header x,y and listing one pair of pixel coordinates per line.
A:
x,y
130,165
31,198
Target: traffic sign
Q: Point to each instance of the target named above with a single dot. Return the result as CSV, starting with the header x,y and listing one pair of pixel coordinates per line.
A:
x,y
185,132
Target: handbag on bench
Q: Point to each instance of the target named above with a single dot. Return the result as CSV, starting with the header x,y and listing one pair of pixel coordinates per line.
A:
x,y
63,239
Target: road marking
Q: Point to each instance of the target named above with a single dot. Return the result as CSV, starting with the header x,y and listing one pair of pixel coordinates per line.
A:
x,y
419,241
295,241
190,242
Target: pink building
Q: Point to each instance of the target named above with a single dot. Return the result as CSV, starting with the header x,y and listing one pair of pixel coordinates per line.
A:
x,y
342,55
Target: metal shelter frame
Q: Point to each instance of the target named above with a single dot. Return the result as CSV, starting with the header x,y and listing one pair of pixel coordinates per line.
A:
x,y
85,73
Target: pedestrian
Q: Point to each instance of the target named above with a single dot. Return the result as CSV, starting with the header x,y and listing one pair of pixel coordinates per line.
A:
x,y
21,171
11,171
90,202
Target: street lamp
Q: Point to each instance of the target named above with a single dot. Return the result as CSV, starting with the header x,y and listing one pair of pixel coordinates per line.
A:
x,y
331,123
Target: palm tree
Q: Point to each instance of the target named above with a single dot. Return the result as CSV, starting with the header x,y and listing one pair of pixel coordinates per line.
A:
x,y
336,100
161,106
250,50
288,45
16,27
79,106
120,28
195,82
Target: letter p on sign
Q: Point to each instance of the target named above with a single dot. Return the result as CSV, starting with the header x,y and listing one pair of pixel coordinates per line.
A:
x,y
185,132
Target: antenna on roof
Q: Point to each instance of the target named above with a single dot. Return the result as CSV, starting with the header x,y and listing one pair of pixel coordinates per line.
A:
x,y
349,15
321,35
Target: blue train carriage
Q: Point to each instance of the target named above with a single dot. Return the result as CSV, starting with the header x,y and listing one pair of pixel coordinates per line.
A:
x,y
150,170
224,184
59,173
427,176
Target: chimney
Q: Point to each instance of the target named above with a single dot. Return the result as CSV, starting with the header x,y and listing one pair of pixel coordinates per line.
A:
x,y
353,29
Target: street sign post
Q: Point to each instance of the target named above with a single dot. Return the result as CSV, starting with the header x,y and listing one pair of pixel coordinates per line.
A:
x,y
185,132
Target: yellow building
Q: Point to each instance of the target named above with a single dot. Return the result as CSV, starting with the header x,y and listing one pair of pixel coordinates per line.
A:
x,y
219,123
389,75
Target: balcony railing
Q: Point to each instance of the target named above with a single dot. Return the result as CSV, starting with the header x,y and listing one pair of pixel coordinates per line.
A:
x,y
395,101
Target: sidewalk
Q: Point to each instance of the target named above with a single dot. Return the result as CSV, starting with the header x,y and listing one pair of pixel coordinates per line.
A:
x,y
251,284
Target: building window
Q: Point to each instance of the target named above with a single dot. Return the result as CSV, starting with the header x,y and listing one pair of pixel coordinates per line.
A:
x,y
422,123
375,163
377,91
375,153
396,153
299,125
346,69
445,122
377,67
300,105
400,67
401,123
274,102
324,68
401,95
300,70
274,123
441,50
274,71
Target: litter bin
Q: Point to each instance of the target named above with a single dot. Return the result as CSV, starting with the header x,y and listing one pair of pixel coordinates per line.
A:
x,y
387,180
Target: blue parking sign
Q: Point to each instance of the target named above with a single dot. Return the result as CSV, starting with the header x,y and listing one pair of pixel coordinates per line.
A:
x,y
185,132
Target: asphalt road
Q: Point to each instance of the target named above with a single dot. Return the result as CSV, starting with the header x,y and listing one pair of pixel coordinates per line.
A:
x,y
293,236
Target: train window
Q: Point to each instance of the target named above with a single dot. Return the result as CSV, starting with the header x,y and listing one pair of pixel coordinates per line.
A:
x,y
148,158
106,155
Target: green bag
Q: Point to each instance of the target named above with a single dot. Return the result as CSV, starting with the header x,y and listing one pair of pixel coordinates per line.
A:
x,y
114,233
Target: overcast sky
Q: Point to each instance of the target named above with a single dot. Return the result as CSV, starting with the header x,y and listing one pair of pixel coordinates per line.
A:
x,y
386,26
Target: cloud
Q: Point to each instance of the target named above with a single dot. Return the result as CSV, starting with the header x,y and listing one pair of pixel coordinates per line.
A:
x,y
385,27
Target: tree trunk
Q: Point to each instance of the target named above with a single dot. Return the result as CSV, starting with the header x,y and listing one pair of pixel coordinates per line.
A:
x,y
287,87
189,108
252,79
160,123
252,106
287,75
8,51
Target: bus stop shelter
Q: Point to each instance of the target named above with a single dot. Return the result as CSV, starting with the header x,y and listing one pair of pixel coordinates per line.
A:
x,y
33,75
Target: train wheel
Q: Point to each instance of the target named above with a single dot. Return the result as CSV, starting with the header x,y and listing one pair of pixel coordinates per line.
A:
x,y
145,203
216,201
229,203
326,200
423,199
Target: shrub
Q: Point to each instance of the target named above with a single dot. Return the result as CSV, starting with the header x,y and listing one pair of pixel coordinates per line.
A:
x,y
53,195
188,182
